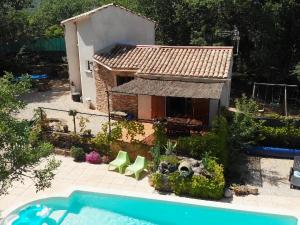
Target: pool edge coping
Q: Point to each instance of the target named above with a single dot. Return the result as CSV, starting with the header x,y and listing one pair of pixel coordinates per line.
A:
x,y
155,196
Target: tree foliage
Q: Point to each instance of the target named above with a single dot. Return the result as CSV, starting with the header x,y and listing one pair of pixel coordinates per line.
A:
x,y
18,158
269,30
245,129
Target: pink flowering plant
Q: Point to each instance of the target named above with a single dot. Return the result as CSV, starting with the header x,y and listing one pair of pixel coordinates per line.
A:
x,y
93,157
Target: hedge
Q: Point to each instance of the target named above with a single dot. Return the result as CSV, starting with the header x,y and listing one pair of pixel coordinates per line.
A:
x,y
287,136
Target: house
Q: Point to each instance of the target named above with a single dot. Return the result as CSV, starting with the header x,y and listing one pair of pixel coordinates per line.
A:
x,y
98,29
133,75
153,81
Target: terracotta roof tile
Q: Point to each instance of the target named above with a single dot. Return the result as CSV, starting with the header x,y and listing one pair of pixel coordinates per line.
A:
x,y
207,62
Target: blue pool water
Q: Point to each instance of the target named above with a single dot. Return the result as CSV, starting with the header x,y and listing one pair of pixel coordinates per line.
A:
x,y
85,208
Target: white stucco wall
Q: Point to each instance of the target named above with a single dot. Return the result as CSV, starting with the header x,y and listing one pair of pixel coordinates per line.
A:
x,y
225,99
144,107
101,30
73,55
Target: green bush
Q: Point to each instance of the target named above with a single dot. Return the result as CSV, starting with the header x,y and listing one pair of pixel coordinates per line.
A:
x,y
44,149
215,142
35,136
190,146
287,136
245,129
157,179
155,152
104,139
78,154
218,146
195,186
172,159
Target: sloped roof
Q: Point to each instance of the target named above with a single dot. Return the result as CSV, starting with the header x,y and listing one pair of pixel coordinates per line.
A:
x,y
193,61
172,88
86,14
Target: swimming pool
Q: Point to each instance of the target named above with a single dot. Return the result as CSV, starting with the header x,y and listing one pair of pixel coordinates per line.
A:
x,y
88,208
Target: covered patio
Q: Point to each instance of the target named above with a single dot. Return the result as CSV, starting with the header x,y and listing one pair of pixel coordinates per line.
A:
x,y
185,105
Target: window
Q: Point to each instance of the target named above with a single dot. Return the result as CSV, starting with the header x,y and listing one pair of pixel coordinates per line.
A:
x,y
123,80
89,65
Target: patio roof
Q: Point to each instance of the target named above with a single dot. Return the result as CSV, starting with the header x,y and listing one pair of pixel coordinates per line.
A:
x,y
171,88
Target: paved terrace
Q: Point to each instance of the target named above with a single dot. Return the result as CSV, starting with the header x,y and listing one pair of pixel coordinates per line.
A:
x,y
71,174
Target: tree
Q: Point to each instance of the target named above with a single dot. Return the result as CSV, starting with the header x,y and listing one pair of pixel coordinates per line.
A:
x,y
18,158
13,20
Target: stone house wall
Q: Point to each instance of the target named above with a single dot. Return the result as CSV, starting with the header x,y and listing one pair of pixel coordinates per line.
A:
x,y
106,80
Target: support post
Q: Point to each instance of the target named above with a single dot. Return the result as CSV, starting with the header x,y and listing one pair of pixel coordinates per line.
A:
x,y
74,122
219,108
253,91
285,101
108,109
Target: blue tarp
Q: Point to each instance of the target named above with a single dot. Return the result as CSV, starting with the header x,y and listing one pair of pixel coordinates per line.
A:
x,y
274,152
36,76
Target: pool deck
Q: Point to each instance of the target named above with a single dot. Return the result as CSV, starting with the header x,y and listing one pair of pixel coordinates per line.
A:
x,y
83,176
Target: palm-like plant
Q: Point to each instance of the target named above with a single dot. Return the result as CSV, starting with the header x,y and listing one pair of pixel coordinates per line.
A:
x,y
170,147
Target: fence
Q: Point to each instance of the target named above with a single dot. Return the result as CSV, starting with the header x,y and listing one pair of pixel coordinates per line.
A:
x,y
74,120
39,45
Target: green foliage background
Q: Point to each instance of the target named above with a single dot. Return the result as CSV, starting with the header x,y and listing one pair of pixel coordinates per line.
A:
x,y
269,30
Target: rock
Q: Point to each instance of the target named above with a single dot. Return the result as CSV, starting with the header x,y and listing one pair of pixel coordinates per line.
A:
x,y
242,190
197,170
163,168
228,193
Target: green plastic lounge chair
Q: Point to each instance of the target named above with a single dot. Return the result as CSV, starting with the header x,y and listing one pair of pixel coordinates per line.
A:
x,y
120,162
137,167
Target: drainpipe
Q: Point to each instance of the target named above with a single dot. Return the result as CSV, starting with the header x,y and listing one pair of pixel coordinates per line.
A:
x,y
108,109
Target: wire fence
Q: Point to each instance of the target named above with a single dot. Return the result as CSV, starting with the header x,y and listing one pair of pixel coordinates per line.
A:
x,y
73,121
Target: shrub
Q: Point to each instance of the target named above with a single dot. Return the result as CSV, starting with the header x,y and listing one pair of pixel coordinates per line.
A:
x,y
93,157
245,129
67,140
160,134
221,148
104,139
198,186
132,128
44,149
155,152
287,136
190,146
78,154
160,182
172,159
35,136
215,142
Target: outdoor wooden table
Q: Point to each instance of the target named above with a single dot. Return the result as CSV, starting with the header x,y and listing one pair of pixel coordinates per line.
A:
x,y
182,126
